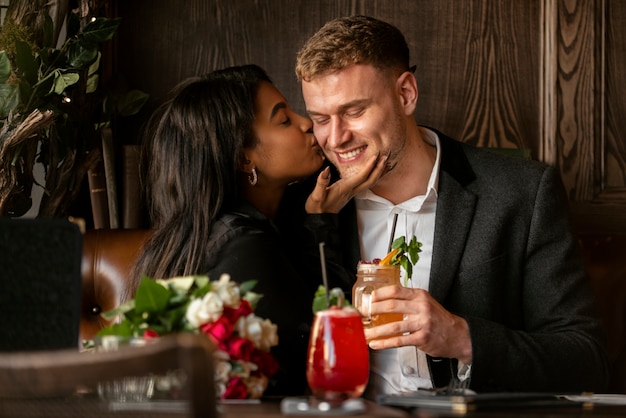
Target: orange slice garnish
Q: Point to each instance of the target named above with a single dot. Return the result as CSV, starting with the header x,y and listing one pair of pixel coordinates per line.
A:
x,y
385,261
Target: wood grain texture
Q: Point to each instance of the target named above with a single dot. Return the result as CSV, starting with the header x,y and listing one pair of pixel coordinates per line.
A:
x,y
592,125
543,75
477,61
577,42
615,105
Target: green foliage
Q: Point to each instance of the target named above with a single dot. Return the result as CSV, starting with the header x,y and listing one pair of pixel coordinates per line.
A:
x,y
35,74
408,255
45,73
5,67
335,298
161,306
158,307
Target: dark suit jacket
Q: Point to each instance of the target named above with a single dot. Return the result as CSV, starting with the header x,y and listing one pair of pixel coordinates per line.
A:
x,y
504,258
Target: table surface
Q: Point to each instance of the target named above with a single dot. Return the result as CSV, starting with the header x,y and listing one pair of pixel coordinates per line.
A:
x,y
271,409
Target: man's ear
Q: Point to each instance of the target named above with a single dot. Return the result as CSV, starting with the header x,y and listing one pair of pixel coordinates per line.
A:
x,y
406,86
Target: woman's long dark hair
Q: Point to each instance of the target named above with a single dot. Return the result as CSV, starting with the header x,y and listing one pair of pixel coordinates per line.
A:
x,y
191,152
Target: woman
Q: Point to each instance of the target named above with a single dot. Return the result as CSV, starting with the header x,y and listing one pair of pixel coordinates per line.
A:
x,y
220,156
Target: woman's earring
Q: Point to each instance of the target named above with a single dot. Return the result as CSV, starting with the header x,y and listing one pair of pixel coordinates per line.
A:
x,y
252,177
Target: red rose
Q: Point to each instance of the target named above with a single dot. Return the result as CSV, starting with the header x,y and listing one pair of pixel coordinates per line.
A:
x,y
150,333
218,331
233,314
266,363
235,389
239,348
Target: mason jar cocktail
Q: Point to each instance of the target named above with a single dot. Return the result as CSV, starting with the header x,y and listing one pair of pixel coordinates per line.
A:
x,y
368,278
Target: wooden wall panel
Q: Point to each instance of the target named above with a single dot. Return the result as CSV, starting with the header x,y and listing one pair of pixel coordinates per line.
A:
x,y
615,105
544,75
476,63
591,134
577,40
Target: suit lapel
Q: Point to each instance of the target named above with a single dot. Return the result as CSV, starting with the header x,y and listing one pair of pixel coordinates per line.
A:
x,y
455,209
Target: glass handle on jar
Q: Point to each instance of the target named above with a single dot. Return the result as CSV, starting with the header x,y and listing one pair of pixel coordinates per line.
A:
x,y
366,307
363,303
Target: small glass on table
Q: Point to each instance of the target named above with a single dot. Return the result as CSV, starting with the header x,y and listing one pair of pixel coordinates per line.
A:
x,y
337,365
338,357
127,389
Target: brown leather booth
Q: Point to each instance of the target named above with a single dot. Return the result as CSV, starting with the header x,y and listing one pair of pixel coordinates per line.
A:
x,y
108,256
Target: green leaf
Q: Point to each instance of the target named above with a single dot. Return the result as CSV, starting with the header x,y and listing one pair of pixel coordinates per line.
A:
x,y
408,254
92,75
178,285
398,242
172,320
319,300
80,56
25,61
253,298
123,329
5,67
415,248
247,286
9,99
63,81
45,84
151,296
408,267
202,281
203,286
121,310
93,68
92,83
131,102
99,30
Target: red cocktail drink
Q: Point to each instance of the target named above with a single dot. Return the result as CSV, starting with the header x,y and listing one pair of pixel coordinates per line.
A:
x,y
338,357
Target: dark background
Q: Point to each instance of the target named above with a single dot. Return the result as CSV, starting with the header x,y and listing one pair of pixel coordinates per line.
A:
x,y
545,75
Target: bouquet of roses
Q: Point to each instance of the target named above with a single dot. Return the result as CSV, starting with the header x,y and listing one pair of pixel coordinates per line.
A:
x,y
222,310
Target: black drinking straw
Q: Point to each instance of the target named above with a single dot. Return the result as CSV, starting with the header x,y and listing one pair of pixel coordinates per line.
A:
x,y
393,231
324,276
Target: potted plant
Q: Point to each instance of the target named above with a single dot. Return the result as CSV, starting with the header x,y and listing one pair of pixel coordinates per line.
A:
x,y
51,103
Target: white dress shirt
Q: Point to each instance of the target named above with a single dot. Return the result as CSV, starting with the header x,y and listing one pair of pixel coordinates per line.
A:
x,y
405,368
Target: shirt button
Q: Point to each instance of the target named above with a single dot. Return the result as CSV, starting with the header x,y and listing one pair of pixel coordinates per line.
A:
x,y
409,370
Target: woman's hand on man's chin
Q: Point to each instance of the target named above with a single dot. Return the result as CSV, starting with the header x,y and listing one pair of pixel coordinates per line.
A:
x,y
330,198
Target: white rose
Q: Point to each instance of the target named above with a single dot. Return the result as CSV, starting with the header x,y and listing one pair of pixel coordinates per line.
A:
x,y
228,291
262,332
205,310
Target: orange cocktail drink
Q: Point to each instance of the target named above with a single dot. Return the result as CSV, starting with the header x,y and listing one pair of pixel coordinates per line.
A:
x,y
368,278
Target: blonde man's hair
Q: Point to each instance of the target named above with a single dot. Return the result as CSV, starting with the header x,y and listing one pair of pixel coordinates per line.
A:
x,y
352,40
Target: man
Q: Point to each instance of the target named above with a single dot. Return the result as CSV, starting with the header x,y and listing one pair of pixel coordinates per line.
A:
x,y
498,299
